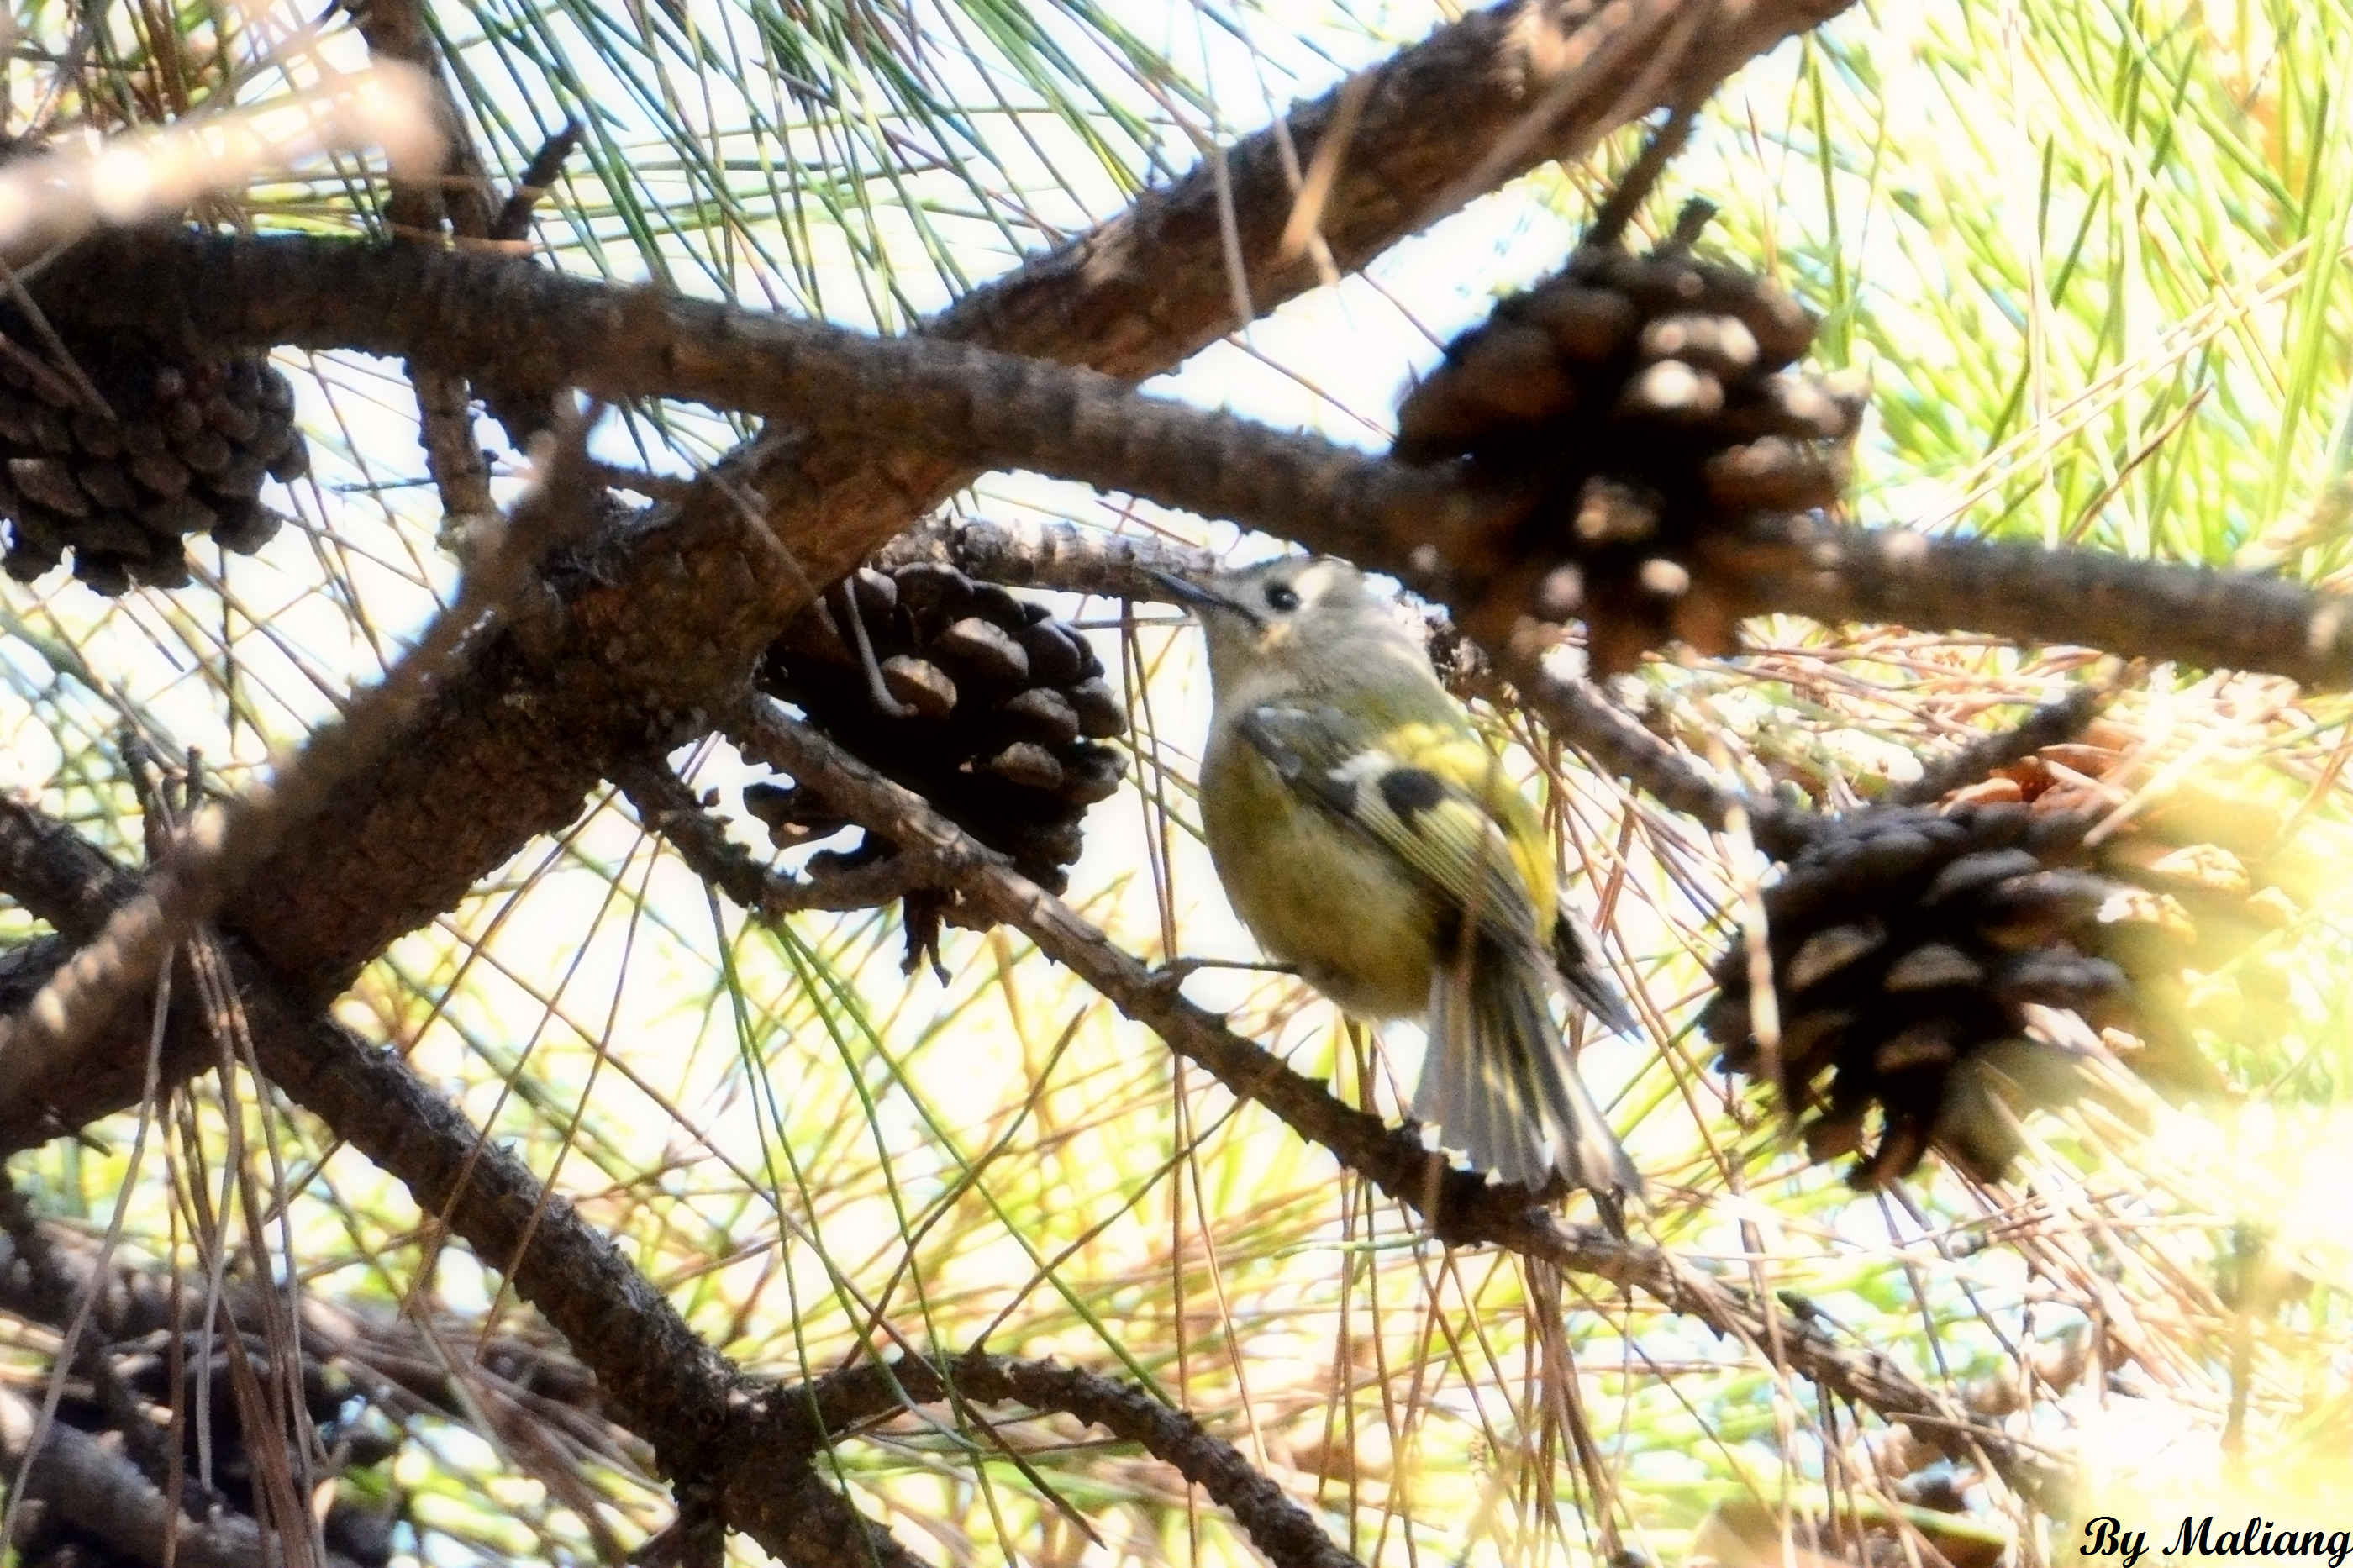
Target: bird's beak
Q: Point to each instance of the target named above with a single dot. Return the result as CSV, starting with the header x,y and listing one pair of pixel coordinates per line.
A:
x,y
1194,596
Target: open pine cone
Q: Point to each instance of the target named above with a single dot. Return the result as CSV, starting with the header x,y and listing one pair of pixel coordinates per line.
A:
x,y
120,451
2222,865
1645,406
1907,943
980,702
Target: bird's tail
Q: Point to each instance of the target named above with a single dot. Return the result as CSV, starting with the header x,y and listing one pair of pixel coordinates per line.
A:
x,y
1576,958
1498,1083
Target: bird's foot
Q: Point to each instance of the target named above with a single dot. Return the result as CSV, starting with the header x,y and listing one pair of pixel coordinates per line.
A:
x,y
1177,971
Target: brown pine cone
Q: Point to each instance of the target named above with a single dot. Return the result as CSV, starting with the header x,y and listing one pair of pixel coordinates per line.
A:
x,y
1644,403
1907,940
982,702
120,454
1905,943
2218,866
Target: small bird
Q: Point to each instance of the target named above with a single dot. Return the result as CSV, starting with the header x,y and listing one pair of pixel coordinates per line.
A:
x,y
1367,836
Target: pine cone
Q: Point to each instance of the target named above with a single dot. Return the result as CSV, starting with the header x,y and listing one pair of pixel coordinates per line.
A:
x,y
2217,864
1907,940
980,702
1644,405
166,448
1905,944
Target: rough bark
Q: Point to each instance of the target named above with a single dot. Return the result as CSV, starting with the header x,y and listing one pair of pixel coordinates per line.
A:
x,y
664,623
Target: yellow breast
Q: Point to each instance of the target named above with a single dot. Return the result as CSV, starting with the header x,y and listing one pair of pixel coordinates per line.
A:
x,y
1314,891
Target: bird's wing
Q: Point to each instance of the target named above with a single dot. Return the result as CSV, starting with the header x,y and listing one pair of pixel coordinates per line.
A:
x,y
1445,832
1576,959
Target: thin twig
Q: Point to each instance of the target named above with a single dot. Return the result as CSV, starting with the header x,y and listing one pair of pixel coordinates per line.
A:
x,y
458,193
513,221
665,806
1618,209
1458,1205
807,1414
2061,719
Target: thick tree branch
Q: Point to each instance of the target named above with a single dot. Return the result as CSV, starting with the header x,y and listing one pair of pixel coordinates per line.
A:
x,y
1460,1208
983,406
100,1489
1428,131
668,1386
667,619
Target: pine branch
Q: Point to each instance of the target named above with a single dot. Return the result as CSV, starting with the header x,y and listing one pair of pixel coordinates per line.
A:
x,y
1459,1207
1070,559
401,1361
801,1417
1059,556
2060,720
2138,609
973,405
102,1492
50,1286
59,878
663,1381
665,621
1589,719
665,806
224,845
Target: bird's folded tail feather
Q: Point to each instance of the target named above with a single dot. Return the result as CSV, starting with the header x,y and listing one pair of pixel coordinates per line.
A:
x,y
1498,1084
1576,959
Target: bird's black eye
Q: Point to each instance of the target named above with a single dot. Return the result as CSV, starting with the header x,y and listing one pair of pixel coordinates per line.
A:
x,y
1282,597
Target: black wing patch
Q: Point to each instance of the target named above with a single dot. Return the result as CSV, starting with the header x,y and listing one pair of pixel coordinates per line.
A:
x,y
1409,792
1438,830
